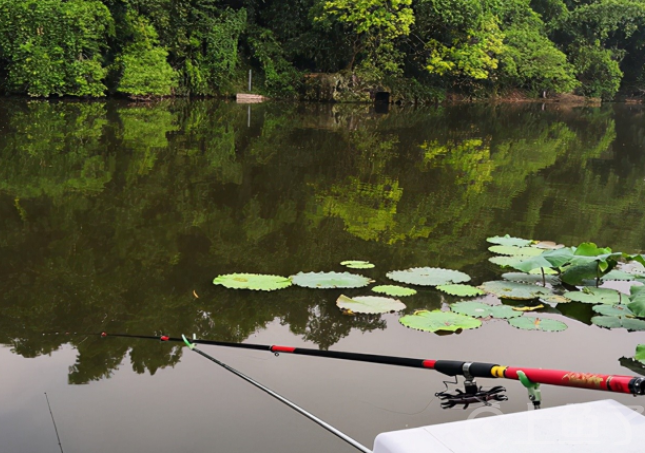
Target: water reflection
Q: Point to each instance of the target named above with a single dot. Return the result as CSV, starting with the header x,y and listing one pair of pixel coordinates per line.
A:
x,y
117,217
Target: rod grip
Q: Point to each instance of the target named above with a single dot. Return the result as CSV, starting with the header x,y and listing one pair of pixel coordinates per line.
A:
x,y
456,368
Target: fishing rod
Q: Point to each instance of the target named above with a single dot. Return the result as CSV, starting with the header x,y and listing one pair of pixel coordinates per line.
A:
x,y
531,378
54,422
280,398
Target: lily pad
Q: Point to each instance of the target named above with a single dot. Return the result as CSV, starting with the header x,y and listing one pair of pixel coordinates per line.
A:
x,y
481,310
592,295
512,250
555,299
546,270
369,304
617,310
508,240
633,365
439,321
394,290
517,291
530,278
428,276
357,264
461,290
617,275
534,323
633,268
506,261
256,282
615,322
329,280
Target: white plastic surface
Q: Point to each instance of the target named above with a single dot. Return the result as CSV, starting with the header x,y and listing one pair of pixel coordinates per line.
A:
x,y
596,427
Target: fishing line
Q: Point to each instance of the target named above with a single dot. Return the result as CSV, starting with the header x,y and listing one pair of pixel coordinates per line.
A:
x,y
54,422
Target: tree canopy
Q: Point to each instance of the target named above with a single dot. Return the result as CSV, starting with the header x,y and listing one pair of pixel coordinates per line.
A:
x,y
92,48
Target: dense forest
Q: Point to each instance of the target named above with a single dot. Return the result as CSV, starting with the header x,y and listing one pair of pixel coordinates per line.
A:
x,y
421,49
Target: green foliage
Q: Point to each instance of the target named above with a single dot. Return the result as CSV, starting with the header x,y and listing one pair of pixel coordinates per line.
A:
x,y
597,69
428,276
52,47
258,282
143,64
439,321
369,304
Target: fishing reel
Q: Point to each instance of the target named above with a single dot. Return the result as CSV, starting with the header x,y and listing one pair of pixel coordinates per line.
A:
x,y
472,394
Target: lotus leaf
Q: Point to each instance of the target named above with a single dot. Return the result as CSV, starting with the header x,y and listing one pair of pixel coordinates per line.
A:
x,y
577,275
555,299
461,290
640,353
592,295
545,270
637,304
506,261
530,278
508,240
257,282
481,310
547,245
614,322
617,275
329,280
357,264
369,304
513,250
550,258
394,290
634,365
533,323
612,310
512,290
428,276
438,321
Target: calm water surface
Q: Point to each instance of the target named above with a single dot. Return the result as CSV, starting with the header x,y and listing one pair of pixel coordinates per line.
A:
x,y
116,217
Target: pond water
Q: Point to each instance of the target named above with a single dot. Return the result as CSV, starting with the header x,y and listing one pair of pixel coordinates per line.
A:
x,y
116,217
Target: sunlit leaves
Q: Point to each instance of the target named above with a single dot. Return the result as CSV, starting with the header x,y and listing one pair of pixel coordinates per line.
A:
x,y
428,276
329,280
369,304
437,320
394,290
258,282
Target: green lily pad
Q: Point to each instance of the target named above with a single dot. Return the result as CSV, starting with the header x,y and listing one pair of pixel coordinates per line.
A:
x,y
534,323
369,304
428,276
329,280
257,282
633,268
506,261
461,290
592,295
617,275
546,270
633,365
614,322
508,240
517,291
640,353
481,310
637,297
394,290
512,250
612,310
555,299
530,278
439,321
357,264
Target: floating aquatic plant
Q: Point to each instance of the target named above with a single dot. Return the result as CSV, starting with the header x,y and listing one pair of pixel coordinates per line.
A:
x,y
636,363
616,322
637,298
547,245
508,240
428,276
258,282
534,323
513,290
506,261
461,290
394,290
593,295
617,310
513,250
482,310
522,277
369,304
357,264
439,321
618,275
329,280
